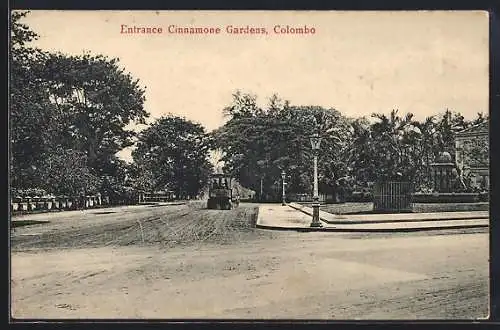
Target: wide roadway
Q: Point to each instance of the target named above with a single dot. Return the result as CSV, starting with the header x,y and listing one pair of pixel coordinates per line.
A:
x,y
126,265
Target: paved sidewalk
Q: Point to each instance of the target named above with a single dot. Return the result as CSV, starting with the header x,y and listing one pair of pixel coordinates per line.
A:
x,y
276,216
395,217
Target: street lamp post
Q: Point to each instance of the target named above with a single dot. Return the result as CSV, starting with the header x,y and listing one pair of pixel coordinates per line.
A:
x,y
315,143
261,190
283,196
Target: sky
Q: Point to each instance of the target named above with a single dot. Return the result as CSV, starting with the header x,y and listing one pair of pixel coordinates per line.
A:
x,y
356,62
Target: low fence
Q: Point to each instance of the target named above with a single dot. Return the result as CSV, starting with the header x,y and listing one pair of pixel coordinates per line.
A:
x,y
306,198
390,196
450,197
156,197
32,204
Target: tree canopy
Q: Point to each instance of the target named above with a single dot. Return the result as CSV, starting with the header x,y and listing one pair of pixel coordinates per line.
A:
x,y
172,154
259,142
63,106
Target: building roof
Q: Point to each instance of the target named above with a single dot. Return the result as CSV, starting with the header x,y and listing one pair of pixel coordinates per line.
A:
x,y
479,129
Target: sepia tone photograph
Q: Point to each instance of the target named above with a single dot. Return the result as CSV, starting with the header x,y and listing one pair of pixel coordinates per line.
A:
x,y
257,165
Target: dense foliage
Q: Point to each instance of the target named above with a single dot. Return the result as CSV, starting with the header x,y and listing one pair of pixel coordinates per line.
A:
x,y
172,154
258,143
68,118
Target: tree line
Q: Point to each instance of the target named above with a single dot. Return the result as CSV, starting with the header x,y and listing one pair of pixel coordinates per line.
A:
x,y
71,115
260,142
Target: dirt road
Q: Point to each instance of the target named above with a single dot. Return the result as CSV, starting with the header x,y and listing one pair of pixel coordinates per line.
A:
x,y
103,267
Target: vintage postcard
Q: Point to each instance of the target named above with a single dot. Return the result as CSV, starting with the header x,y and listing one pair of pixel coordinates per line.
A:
x,y
295,165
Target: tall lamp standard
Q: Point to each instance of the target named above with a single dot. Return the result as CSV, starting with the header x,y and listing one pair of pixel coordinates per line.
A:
x,y
283,196
315,143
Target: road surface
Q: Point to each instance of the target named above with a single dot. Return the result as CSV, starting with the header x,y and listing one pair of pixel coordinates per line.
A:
x,y
102,266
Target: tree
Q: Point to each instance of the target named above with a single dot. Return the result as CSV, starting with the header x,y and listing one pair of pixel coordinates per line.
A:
x,y
361,152
58,102
336,134
261,142
66,172
387,149
141,177
243,105
394,138
95,100
395,147
175,151
30,112
115,181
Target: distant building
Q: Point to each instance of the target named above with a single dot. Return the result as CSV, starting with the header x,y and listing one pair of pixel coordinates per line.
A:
x,y
472,154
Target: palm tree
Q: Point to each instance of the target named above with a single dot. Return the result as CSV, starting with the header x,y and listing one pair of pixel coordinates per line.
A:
x,y
387,134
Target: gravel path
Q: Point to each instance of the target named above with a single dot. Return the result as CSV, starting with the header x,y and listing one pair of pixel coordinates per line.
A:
x,y
164,225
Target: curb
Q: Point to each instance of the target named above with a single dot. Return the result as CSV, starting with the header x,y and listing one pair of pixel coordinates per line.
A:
x,y
160,205
368,230
358,222
308,213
